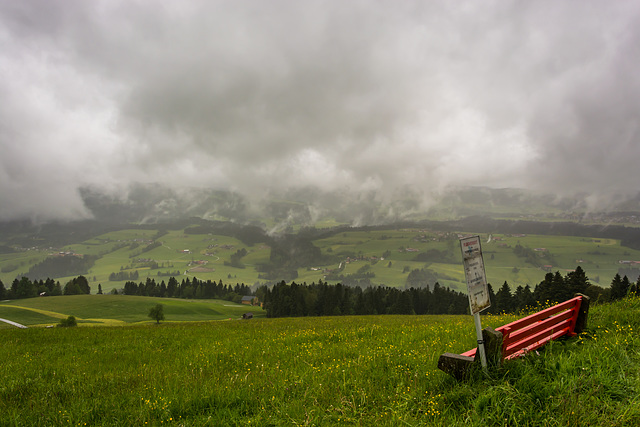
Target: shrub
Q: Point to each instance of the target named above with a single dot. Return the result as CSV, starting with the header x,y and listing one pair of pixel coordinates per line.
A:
x,y
68,322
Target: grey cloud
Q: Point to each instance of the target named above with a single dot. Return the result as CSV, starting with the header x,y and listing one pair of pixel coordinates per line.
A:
x,y
357,96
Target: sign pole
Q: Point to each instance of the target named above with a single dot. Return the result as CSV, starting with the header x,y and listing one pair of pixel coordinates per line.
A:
x,y
483,355
477,288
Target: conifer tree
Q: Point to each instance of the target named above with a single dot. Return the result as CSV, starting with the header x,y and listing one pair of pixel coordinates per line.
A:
x,y
619,287
576,282
504,299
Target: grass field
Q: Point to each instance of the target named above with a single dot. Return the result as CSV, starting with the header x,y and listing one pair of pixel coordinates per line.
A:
x,y
179,253
92,310
369,370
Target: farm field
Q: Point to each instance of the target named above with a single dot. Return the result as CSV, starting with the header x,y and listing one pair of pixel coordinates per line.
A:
x,y
388,256
117,310
600,258
368,370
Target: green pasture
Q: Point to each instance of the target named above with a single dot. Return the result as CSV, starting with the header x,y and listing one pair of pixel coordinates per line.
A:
x,y
598,257
179,252
118,309
122,250
361,371
13,264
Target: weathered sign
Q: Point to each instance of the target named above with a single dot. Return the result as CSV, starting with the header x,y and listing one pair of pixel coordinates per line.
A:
x,y
474,273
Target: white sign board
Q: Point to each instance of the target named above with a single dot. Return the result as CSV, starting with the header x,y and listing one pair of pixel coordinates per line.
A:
x,y
474,273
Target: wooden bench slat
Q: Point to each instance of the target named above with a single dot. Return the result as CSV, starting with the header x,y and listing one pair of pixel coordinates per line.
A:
x,y
537,344
529,342
535,317
515,336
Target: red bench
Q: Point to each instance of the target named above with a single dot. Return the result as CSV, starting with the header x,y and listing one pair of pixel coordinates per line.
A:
x,y
522,336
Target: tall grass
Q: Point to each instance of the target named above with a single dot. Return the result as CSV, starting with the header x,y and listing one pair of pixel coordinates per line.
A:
x,y
315,371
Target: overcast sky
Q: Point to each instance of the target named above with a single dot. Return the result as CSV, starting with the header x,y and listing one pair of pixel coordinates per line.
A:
x,y
346,95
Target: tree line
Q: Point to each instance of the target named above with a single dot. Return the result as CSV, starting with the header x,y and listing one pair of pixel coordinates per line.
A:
x,y
25,288
187,288
323,299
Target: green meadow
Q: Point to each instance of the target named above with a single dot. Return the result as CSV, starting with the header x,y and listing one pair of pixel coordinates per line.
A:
x,y
598,257
361,371
112,310
388,256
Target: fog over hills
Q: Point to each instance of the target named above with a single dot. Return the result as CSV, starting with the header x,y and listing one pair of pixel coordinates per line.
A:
x,y
149,204
375,109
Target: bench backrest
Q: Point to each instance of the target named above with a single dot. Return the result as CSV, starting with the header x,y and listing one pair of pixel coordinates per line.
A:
x,y
522,336
533,331
529,333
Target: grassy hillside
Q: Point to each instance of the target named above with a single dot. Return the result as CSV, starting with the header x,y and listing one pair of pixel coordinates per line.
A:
x,y
91,310
370,370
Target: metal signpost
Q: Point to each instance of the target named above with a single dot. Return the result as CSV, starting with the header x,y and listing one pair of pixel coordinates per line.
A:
x,y
476,286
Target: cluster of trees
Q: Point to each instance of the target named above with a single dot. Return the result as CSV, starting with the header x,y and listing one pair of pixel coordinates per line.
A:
x,y
362,277
553,289
147,248
187,288
236,258
325,300
123,275
61,266
322,299
288,254
434,255
25,288
167,273
247,234
528,254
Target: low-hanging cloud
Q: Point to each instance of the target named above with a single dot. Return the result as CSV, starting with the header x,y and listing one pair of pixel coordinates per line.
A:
x,y
359,96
